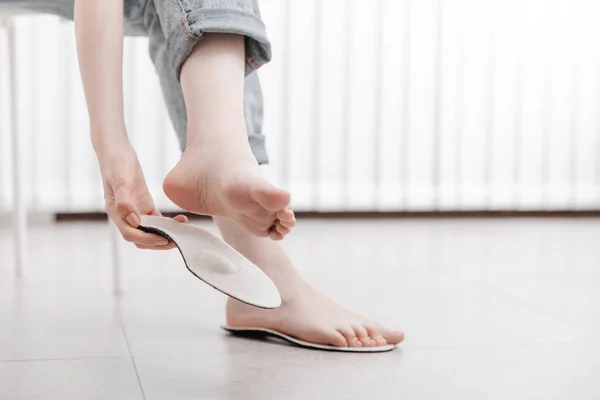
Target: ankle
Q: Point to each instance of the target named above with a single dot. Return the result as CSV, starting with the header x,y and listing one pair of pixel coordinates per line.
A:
x,y
218,136
219,147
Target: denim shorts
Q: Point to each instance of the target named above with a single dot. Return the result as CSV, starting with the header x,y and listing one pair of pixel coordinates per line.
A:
x,y
173,28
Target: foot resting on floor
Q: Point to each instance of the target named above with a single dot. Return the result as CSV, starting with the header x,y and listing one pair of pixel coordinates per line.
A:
x,y
313,317
305,313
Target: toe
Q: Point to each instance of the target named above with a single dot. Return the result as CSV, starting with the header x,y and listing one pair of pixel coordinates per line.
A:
x,y
335,338
284,230
275,235
288,224
391,336
271,198
286,215
375,334
363,336
350,336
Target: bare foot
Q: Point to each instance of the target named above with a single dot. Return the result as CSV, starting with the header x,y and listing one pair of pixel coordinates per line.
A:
x,y
225,180
305,313
311,316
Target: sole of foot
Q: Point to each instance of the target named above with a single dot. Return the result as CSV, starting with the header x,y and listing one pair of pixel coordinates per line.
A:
x,y
218,182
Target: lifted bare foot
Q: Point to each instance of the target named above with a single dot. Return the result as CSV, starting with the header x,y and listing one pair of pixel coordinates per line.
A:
x,y
219,180
217,174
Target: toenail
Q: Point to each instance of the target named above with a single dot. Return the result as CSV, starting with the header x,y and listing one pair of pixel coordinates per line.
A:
x,y
357,342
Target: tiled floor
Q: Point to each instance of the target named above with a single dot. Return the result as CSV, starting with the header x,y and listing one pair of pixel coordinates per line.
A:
x,y
492,309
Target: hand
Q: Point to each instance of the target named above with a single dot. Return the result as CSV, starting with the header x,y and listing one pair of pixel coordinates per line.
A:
x,y
127,198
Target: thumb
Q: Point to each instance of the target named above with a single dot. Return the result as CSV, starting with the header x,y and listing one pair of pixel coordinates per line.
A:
x,y
127,209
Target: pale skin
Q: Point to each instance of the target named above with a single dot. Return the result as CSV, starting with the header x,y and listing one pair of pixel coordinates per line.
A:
x,y
217,175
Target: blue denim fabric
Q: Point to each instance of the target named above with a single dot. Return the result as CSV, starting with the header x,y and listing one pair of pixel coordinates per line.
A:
x,y
174,27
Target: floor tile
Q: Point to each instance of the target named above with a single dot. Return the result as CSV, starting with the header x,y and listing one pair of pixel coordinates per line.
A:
x,y
492,309
46,323
99,379
541,372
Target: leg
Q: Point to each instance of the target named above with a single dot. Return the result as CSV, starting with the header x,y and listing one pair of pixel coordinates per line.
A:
x,y
297,315
218,173
305,312
56,7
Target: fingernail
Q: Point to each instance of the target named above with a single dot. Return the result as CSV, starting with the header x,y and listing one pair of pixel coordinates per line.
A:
x,y
161,242
132,220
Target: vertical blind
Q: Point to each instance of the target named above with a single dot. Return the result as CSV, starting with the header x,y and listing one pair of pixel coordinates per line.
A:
x,y
380,105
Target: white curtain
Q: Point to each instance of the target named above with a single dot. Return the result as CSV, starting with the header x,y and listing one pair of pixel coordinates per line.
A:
x,y
379,105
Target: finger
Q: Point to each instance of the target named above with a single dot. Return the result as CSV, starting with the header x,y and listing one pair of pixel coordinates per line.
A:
x,y
181,218
135,235
169,246
129,212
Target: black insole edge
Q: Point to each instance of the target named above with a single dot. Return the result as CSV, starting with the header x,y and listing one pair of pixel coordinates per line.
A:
x,y
259,335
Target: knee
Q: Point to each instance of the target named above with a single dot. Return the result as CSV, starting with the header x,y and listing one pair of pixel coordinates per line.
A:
x,y
193,18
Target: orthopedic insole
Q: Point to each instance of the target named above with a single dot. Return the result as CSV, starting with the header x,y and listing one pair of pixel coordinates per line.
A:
x,y
215,262
265,333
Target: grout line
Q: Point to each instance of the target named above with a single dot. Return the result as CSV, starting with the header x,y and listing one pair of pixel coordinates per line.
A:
x,y
137,374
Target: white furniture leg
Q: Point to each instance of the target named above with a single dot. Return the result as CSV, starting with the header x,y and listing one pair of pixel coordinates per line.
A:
x,y
115,250
19,187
